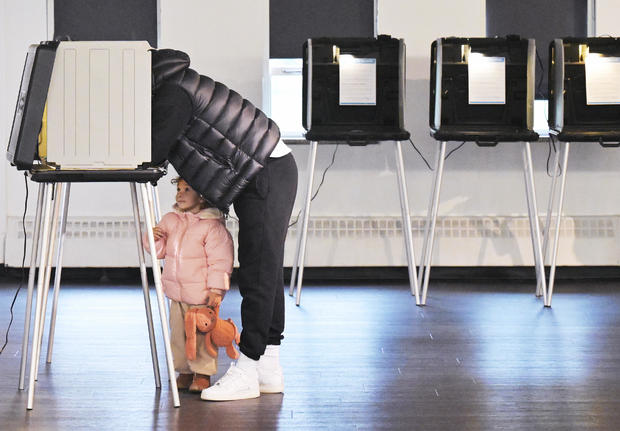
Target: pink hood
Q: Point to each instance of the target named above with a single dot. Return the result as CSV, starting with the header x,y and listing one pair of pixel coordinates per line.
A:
x,y
199,255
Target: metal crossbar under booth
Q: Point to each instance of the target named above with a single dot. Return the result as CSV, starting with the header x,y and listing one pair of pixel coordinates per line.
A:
x,y
583,107
67,129
353,92
463,110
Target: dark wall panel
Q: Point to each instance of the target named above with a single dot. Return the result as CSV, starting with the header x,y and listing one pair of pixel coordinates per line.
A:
x,y
543,20
292,22
106,20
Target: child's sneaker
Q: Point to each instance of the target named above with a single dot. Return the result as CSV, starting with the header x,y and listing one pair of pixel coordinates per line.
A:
x,y
200,383
184,381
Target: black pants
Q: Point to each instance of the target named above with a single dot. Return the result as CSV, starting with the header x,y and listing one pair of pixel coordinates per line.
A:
x,y
264,210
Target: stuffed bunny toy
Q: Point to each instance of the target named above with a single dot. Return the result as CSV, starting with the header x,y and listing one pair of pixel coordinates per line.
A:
x,y
218,332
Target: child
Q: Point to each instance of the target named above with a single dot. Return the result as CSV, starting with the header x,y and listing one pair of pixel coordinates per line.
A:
x,y
199,258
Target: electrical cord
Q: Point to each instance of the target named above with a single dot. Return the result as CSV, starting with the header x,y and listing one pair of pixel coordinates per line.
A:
x,y
453,150
320,184
549,156
418,151
22,278
552,144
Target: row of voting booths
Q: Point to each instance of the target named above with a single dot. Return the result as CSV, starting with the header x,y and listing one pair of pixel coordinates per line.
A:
x,y
481,91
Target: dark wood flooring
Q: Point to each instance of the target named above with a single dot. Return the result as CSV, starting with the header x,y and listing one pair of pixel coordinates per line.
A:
x,y
362,357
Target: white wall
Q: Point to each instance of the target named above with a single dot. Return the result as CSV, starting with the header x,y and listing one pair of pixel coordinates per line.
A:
x,y
607,18
21,23
3,130
229,42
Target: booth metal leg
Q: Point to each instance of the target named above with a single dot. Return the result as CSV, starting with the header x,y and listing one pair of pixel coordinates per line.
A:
x,y
148,211
299,225
556,238
404,208
547,229
57,275
296,258
154,193
145,283
530,191
427,253
48,268
157,205
299,229
304,227
31,274
34,354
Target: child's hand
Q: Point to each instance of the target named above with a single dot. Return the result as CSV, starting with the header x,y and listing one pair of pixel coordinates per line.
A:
x,y
214,300
158,233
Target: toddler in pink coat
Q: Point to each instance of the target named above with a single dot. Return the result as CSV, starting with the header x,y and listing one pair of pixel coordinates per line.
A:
x,y
199,259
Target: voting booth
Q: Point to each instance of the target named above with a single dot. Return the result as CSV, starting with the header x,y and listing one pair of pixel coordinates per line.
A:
x,y
83,114
354,89
584,106
482,91
353,92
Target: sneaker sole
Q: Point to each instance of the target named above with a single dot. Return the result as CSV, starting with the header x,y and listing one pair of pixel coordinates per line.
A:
x,y
242,396
271,389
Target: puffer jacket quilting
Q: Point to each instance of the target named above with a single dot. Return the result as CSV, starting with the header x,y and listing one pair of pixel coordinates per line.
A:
x,y
227,140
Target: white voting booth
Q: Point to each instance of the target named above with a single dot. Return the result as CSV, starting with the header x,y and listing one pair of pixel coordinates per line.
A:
x,y
84,115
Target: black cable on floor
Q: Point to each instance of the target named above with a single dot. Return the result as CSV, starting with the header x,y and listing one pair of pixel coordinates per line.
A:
x,y
320,184
21,281
418,151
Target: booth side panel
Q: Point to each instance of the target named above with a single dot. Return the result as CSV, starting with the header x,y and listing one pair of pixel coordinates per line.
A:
x,y
99,106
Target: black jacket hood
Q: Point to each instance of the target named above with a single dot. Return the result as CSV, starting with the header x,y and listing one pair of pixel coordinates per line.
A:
x,y
168,64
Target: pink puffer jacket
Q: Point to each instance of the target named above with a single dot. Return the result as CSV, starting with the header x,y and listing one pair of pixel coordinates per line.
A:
x,y
199,255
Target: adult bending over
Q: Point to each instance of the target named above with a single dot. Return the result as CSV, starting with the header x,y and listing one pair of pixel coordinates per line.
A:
x,y
231,153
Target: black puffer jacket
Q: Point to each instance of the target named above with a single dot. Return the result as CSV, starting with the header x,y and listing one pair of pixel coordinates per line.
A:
x,y
215,139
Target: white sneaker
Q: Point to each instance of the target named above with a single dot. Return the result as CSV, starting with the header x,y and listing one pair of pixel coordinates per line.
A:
x,y
270,376
270,380
237,384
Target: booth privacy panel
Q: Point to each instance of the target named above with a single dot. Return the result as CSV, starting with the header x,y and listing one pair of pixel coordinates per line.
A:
x,y
584,89
455,113
99,106
354,89
31,104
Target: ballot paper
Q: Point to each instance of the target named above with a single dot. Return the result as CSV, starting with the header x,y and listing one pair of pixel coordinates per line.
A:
x,y
602,80
358,80
486,79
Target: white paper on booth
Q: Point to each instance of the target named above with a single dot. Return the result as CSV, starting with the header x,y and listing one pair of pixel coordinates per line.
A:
x,y
486,79
358,80
602,80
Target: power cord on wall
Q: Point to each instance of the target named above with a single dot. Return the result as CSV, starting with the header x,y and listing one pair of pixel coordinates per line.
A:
x,y
453,150
320,184
418,151
23,273
552,144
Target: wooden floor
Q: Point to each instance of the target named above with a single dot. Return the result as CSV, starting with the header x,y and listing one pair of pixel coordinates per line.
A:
x,y
478,357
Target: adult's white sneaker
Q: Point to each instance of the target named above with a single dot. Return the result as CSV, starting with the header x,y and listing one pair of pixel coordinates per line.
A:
x,y
270,376
238,383
270,381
